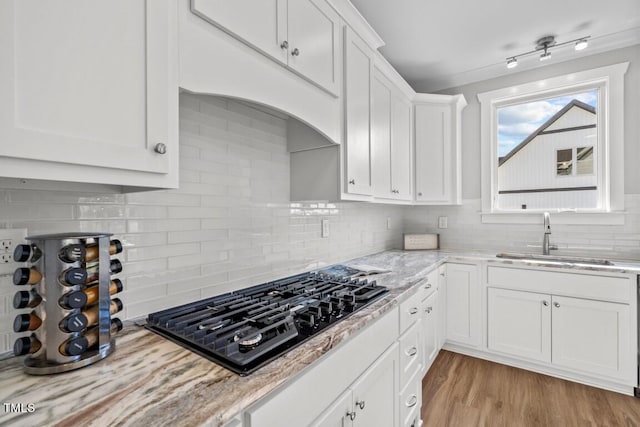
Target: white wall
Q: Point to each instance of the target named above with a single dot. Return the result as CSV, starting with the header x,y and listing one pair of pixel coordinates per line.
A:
x,y
230,225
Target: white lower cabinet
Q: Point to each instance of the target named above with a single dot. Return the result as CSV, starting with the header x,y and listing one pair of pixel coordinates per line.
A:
x,y
575,334
591,336
370,401
519,323
463,304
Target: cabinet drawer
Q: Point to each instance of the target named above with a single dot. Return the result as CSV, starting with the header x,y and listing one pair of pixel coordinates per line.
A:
x,y
411,401
429,285
410,353
410,311
590,286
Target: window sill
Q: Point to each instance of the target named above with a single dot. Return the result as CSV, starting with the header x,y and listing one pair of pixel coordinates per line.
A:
x,y
565,218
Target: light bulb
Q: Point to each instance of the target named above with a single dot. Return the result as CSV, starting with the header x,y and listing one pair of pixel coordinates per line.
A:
x,y
512,63
581,44
546,55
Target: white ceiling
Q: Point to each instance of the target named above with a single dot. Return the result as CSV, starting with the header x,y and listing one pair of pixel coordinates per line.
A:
x,y
436,45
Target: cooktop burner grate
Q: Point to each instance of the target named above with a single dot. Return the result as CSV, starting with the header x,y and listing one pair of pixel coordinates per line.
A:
x,y
246,329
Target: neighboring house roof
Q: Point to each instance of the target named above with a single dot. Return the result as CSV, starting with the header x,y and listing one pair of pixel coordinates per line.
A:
x,y
545,125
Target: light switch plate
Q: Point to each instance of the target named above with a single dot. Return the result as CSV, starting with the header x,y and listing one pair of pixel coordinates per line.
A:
x,y
9,239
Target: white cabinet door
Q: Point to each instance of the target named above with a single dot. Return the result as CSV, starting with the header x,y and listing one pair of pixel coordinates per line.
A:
x,y
430,326
314,45
302,34
358,78
90,84
401,156
593,337
338,414
259,23
390,140
375,394
381,136
463,304
433,152
519,323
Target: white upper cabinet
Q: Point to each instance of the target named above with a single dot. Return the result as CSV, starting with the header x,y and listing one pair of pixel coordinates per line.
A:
x,y
300,34
88,91
358,80
390,140
259,23
437,149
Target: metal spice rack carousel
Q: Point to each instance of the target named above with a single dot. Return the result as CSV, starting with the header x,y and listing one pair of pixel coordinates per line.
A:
x,y
66,296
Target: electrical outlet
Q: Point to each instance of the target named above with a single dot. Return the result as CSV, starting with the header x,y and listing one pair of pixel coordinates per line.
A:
x,y
325,228
443,222
6,245
388,223
9,239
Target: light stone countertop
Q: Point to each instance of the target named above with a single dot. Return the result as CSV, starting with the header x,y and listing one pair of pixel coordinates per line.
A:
x,y
149,380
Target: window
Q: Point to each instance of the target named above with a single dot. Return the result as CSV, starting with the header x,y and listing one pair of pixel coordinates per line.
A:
x,y
554,145
537,144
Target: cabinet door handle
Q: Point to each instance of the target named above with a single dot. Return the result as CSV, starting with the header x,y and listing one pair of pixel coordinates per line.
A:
x,y
412,401
284,45
352,181
351,415
428,310
160,148
545,303
419,194
441,274
295,52
360,404
413,310
427,286
411,351
556,304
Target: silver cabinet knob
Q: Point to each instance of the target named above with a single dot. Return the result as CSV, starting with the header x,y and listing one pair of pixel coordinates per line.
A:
x,y
413,310
410,352
556,304
545,303
295,52
284,45
351,415
411,402
352,181
360,404
160,148
419,194
428,310
427,286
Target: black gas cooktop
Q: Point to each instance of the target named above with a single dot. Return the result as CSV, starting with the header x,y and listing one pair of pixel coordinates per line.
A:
x,y
246,329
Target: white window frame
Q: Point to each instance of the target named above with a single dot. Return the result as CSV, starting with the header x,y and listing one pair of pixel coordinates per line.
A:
x,y
610,83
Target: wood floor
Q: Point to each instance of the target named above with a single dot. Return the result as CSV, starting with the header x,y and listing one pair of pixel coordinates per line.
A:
x,y
464,391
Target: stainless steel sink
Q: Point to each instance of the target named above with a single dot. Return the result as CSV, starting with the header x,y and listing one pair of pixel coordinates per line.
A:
x,y
553,258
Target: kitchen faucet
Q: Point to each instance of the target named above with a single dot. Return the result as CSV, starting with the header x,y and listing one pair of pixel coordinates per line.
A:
x,y
546,247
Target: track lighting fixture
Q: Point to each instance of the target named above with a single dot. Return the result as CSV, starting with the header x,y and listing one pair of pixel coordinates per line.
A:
x,y
544,45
